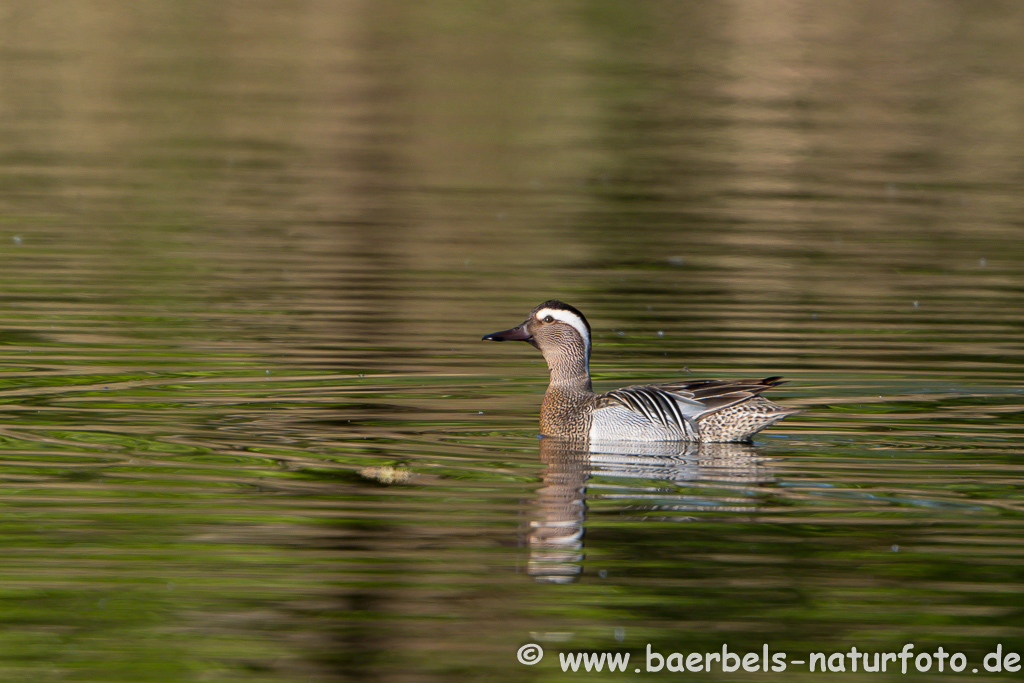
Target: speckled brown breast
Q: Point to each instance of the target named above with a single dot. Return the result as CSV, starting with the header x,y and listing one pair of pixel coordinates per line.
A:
x,y
566,414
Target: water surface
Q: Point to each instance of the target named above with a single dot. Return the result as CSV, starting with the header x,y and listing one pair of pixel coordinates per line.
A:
x,y
247,253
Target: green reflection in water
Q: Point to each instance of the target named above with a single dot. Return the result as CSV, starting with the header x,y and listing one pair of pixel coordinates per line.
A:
x,y
248,430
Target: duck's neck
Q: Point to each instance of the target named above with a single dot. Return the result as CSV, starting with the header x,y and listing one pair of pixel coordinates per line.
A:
x,y
569,372
564,412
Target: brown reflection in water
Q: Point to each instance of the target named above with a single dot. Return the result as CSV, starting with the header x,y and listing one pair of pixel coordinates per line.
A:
x,y
556,535
449,139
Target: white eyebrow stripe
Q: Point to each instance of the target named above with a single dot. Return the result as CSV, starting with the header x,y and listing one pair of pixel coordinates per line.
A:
x,y
569,318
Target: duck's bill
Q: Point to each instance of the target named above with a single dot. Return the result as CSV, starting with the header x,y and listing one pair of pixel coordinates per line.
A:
x,y
515,334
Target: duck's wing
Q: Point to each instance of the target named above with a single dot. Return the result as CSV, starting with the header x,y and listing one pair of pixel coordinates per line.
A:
x,y
672,411
661,404
678,402
716,394
645,413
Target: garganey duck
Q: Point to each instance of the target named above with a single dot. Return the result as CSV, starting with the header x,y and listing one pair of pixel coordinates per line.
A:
x,y
707,410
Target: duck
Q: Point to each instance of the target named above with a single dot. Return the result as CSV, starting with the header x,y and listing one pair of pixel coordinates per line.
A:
x,y
704,410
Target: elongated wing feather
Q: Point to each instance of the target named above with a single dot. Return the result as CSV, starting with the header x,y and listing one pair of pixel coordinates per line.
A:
x,y
691,399
655,404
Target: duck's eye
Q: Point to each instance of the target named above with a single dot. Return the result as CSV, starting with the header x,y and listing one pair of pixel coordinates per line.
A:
x,y
549,319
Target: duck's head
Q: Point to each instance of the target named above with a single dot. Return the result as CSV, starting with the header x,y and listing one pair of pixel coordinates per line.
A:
x,y
559,330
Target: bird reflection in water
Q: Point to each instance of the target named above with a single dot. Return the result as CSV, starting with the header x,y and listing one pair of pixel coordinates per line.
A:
x,y
556,532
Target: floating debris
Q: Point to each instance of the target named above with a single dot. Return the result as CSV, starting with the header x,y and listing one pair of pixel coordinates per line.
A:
x,y
386,475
